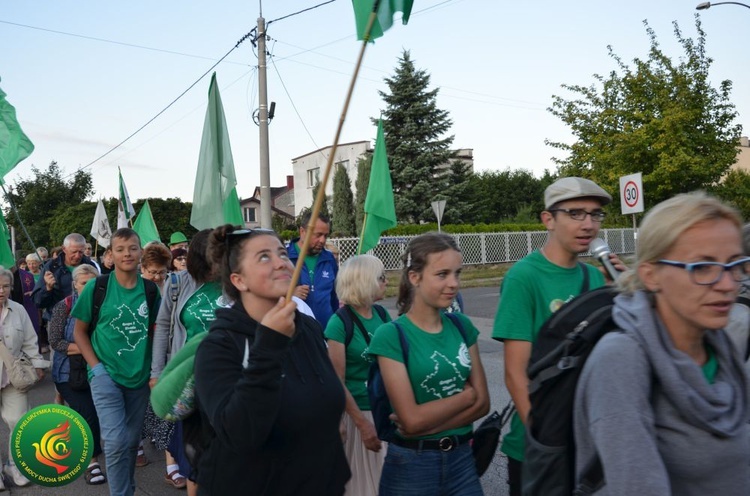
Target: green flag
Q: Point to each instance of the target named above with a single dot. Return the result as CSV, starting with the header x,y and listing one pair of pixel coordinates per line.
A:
x,y
232,210
125,210
215,180
144,225
7,259
380,212
14,144
386,9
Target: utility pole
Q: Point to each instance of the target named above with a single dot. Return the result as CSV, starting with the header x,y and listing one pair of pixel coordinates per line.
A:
x,y
265,163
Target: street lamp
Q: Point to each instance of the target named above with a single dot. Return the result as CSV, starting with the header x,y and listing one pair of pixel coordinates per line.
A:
x,y
708,5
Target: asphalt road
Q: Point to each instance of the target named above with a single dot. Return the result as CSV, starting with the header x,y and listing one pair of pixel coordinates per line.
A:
x,y
479,304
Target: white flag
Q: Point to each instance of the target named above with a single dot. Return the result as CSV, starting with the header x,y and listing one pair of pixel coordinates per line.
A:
x,y
125,210
100,229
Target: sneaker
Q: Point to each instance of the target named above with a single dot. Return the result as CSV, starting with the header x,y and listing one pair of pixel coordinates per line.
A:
x,y
18,479
140,458
2,483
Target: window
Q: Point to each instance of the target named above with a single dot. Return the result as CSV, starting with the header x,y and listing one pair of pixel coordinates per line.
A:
x,y
249,214
312,176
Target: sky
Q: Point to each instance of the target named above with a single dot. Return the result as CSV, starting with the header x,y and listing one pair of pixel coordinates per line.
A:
x,y
84,75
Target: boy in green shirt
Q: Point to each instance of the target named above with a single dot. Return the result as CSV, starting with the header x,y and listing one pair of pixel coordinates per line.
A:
x,y
118,352
537,285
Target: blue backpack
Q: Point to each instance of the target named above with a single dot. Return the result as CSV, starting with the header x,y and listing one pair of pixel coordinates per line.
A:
x,y
380,405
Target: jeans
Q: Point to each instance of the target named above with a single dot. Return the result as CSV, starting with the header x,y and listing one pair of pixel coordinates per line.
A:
x,y
409,472
121,411
81,402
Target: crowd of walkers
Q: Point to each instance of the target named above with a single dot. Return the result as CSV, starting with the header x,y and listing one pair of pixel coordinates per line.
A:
x,y
281,387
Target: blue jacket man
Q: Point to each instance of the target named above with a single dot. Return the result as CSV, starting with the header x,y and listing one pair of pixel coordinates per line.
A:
x,y
56,280
317,282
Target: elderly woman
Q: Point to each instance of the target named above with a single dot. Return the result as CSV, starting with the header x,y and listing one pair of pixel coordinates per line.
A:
x,y
61,339
664,401
361,282
19,337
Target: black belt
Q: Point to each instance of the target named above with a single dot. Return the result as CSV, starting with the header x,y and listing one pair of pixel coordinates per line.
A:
x,y
446,443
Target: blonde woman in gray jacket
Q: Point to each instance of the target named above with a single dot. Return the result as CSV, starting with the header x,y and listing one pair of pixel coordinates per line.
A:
x,y
663,400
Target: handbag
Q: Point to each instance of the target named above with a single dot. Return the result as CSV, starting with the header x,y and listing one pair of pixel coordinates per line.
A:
x,y
21,371
487,437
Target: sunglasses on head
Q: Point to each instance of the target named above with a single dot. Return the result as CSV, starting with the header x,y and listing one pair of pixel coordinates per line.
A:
x,y
241,233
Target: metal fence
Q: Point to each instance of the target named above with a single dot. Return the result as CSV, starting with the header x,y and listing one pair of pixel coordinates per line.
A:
x,y
482,248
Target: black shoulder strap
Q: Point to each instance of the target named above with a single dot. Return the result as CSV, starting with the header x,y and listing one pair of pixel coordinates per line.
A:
x,y
380,311
457,322
404,343
744,299
585,283
100,292
346,319
353,319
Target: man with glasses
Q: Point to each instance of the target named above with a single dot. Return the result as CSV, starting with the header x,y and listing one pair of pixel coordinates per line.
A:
x,y
56,280
539,284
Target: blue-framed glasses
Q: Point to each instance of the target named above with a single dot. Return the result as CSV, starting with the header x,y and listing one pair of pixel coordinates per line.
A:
x,y
708,273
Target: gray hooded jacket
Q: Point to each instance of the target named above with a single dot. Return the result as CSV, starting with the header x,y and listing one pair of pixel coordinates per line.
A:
x,y
652,417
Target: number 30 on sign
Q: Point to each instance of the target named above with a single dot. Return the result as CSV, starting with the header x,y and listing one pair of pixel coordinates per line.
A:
x,y
631,194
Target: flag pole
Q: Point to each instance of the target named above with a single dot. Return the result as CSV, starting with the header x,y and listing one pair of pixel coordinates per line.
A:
x,y
329,165
362,234
18,216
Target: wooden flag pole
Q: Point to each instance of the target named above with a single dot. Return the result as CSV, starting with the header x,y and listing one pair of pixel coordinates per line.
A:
x,y
329,165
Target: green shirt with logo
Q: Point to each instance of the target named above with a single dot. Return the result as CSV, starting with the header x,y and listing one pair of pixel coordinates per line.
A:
x,y
120,340
439,364
200,308
358,360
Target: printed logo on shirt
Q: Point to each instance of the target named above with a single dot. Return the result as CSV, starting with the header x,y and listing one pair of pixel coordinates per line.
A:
x,y
447,377
326,274
223,302
463,356
51,445
202,310
143,310
130,327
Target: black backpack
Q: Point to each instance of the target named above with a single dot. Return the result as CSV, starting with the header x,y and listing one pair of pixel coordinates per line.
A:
x,y
380,405
350,319
563,344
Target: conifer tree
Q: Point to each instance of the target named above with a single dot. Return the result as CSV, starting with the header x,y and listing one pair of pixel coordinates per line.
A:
x,y
364,164
343,203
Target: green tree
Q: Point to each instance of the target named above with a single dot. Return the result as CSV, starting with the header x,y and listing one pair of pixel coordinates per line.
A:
x,y
661,117
45,196
324,207
735,189
364,164
414,127
502,195
458,193
343,203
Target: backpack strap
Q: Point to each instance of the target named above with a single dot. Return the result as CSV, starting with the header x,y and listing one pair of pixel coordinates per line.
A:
x,y
585,283
174,293
380,311
744,299
152,293
457,322
404,343
350,319
100,292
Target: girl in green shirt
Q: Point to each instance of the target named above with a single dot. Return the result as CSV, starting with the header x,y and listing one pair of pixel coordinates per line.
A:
x,y
443,390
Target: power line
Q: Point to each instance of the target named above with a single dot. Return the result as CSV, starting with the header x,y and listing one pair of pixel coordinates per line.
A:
x,y
118,145
300,12
302,121
113,42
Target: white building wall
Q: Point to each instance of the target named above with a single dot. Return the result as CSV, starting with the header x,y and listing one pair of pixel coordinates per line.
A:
x,y
306,166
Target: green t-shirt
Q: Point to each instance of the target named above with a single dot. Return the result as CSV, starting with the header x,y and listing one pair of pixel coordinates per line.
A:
x,y
711,366
532,290
120,339
439,364
200,308
358,359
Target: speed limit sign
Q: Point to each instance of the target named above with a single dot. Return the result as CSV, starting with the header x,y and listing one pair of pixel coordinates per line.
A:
x,y
631,194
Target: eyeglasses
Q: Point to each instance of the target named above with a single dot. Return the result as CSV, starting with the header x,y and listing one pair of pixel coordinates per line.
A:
x,y
241,233
181,259
382,278
709,273
580,214
155,273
